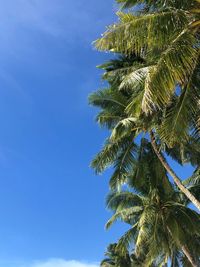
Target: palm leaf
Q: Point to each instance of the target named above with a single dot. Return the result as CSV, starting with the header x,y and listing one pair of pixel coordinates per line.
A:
x,y
124,215
174,67
124,128
126,36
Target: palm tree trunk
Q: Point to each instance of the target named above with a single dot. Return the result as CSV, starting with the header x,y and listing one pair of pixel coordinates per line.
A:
x,y
176,179
190,257
186,252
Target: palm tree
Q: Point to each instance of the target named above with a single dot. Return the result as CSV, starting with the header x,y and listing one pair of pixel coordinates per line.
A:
x,y
165,33
162,226
164,82
158,236
121,112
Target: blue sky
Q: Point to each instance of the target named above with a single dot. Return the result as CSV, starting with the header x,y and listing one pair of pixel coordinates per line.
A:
x,y
51,204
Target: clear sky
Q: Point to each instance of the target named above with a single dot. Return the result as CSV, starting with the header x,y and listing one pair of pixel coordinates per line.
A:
x,y
51,203
52,211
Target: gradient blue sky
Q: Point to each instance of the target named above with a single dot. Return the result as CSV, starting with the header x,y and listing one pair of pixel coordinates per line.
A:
x,y
51,203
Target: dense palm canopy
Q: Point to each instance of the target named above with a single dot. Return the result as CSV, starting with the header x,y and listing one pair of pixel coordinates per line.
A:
x,y
151,107
120,112
161,223
160,226
166,35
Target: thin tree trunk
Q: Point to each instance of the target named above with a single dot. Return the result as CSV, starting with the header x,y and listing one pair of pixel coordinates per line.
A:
x,y
190,257
176,179
186,252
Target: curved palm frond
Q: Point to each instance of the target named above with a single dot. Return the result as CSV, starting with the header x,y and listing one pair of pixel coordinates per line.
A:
x,y
125,37
174,67
108,99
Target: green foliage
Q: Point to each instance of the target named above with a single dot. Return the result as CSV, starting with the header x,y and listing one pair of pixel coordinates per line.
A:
x,y
153,86
165,36
116,258
160,222
120,154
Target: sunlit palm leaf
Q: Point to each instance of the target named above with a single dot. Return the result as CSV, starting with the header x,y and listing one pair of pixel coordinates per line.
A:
x,y
126,36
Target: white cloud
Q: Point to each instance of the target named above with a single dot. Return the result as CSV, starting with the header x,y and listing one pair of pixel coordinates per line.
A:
x,y
60,263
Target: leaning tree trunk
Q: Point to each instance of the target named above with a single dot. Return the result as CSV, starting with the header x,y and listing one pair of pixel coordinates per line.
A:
x,y
190,257
186,252
176,179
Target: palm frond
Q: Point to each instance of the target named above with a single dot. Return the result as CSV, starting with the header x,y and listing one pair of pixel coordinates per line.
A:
x,y
123,165
134,78
186,152
124,128
174,67
111,152
108,99
125,215
127,239
109,119
126,37
124,199
180,116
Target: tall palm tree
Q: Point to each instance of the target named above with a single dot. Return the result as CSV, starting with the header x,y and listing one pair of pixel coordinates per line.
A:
x,y
165,35
121,106
162,226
